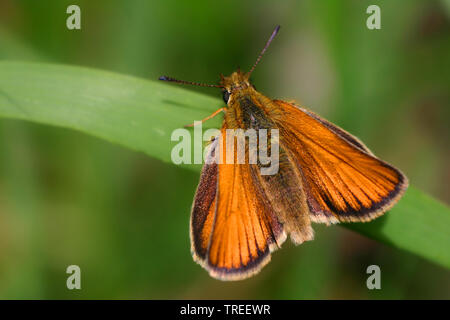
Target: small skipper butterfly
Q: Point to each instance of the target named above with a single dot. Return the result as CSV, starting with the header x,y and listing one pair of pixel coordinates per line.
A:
x,y
325,175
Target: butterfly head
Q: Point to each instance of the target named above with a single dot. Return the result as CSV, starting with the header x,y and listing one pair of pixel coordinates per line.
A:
x,y
237,81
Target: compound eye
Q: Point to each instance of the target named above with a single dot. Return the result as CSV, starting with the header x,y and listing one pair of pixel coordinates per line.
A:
x,y
226,96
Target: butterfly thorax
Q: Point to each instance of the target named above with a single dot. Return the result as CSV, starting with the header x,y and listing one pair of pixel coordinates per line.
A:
x,y
246,107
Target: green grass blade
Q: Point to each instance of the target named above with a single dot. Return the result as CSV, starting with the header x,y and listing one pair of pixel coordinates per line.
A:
x,y
417,223
135,113
141,115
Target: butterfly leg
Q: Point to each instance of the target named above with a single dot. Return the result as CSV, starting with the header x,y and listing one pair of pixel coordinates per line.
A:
x,y
215,113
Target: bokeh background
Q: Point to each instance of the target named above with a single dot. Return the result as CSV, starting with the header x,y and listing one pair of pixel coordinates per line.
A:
x,y
67,198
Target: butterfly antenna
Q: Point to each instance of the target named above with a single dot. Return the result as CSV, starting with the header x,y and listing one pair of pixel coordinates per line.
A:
x,y
164,78
274,33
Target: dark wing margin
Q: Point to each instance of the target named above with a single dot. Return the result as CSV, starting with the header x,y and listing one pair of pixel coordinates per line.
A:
x,y
203,207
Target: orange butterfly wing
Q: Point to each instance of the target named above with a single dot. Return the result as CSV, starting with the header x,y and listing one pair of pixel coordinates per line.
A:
x,y
239,217
343,179
233,230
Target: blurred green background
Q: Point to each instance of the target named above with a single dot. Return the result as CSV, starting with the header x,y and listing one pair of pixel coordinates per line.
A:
x,y
67,198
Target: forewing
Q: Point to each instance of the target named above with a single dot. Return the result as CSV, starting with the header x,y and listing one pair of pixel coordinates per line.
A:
x,y
343,179
233,229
